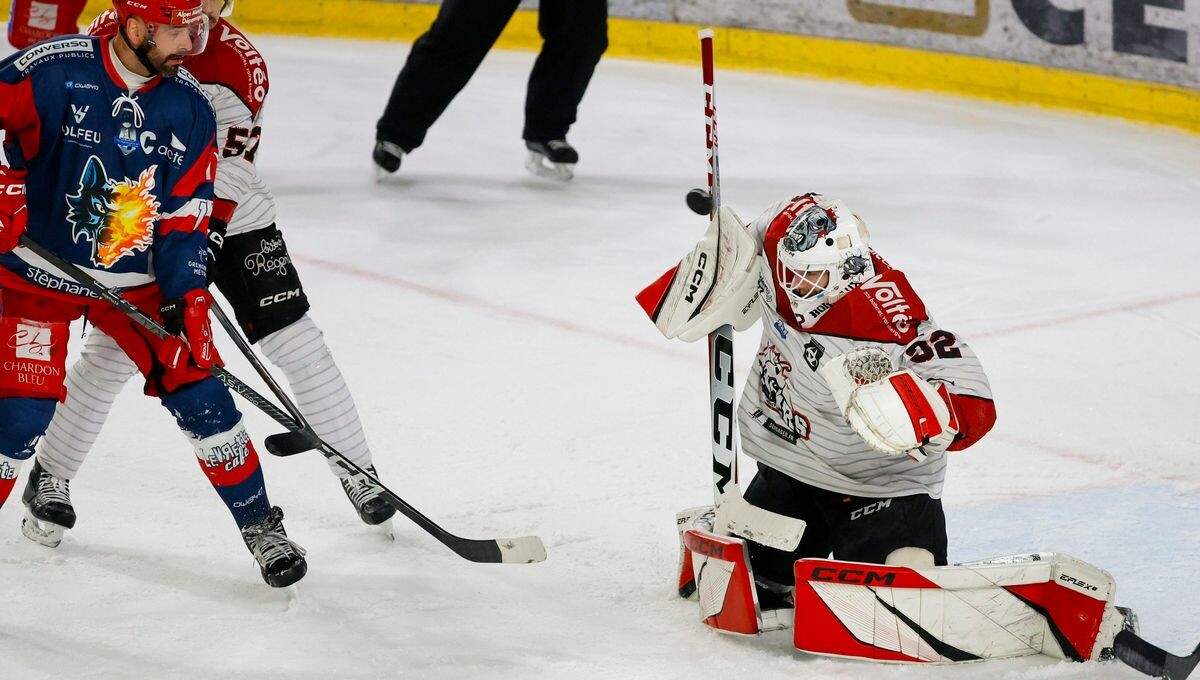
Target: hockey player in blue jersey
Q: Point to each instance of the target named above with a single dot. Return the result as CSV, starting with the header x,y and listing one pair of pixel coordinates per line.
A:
x,y
112,152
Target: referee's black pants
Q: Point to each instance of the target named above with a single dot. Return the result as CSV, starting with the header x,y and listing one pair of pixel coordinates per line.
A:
x,y
575,34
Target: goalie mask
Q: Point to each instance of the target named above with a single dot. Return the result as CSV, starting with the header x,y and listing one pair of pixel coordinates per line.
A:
x,y
820,253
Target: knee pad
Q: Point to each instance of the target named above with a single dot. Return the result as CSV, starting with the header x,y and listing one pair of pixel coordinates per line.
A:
x,y
203,408
22,421
915,558
256,274
298,344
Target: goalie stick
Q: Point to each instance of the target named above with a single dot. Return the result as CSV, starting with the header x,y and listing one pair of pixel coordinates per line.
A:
x,y
524,549
720,341
1142,656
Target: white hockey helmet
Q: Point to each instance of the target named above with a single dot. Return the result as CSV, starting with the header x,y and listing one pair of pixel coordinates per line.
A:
x,y
822,253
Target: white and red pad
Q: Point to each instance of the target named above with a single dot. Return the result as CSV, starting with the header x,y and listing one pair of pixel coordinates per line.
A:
x,y
724,582
1043,603
700,517
733,516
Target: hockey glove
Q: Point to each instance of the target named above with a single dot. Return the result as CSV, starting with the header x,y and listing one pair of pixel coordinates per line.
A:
x,y
714,285
186,319
14,216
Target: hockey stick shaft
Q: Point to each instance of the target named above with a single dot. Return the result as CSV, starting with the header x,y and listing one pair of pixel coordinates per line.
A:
x,y
281,444
523,549
479,551
720,341
235,334
1154,661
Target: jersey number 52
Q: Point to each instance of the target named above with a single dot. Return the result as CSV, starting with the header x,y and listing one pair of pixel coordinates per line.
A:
x,y
241,142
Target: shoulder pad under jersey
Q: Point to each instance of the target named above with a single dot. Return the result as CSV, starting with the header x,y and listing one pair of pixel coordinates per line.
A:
x,y
232,61
65,47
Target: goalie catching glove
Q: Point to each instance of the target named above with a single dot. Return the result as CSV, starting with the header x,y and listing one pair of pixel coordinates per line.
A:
x,y
714,285
894,412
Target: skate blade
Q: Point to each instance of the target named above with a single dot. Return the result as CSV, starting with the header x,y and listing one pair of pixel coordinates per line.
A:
x,y
540,166
386,530
42,533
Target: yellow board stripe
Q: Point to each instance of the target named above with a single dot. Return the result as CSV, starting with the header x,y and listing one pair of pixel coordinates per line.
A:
x,y
748,50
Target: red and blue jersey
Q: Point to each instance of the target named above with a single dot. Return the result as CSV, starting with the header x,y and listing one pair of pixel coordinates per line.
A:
x,y
119,183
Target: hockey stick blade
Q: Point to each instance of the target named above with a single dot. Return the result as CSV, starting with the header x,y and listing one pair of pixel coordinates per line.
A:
x,y
699,201
289,443
1154,661
523,550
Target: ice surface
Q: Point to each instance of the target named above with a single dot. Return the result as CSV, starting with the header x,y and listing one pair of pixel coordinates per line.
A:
x,y
510,384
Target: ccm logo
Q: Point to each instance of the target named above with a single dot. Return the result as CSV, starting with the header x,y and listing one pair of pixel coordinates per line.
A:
x,y
697,277
857,576
279,297
709,548
14,189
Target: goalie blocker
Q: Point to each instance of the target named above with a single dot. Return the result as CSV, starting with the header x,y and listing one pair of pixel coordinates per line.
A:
x,y
714,285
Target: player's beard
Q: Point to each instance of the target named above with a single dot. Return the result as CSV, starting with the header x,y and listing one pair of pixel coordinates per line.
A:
x,y
166,65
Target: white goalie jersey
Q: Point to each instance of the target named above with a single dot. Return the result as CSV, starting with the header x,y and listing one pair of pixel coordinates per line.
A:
x,y
788,415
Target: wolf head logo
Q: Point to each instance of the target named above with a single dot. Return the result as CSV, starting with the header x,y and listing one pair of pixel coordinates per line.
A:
x,y
854,266
811,224
117,217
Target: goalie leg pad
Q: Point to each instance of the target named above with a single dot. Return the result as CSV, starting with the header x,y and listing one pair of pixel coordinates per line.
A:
x,y
724,582
692,518
1021,605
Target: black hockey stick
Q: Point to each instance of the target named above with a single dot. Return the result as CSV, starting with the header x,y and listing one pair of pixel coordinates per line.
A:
x,y
1142,656
520,550
300,437
284,443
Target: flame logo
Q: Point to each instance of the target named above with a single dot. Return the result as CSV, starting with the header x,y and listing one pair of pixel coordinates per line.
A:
x,y
116,217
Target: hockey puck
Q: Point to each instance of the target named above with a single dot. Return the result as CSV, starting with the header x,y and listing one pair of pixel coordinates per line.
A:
x,y
699,201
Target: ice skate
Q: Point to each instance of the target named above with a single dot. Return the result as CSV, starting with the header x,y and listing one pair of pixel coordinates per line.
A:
x,y
387,158
49,514
371,506
279,559
554,159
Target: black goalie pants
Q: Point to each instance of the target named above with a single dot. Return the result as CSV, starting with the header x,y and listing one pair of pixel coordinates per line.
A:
x,y
853,528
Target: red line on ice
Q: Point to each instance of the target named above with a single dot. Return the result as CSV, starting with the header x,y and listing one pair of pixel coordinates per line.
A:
x,y
1081,316
491,307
